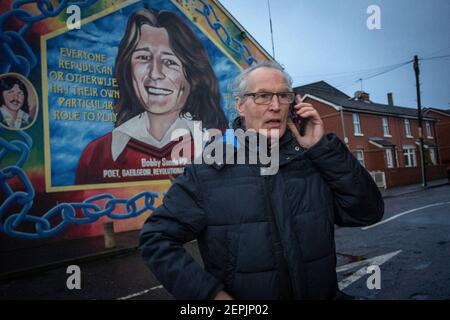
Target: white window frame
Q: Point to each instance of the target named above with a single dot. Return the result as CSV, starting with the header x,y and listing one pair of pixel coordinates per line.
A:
x,y
409,153
359,155
385,124
396,157
433,158
389,158
356,125
428,129
407,128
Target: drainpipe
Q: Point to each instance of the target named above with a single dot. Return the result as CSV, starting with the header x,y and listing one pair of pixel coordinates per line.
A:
x,y
343,126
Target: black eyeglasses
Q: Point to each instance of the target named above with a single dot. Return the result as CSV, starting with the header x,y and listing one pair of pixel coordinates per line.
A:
x,y
266,97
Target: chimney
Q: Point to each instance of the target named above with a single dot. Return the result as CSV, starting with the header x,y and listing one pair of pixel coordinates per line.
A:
x,y
390,99
362,96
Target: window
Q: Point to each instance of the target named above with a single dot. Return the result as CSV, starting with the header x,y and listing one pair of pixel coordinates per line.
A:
x,y
409,154
386,127
389,159
356,125
428,128
408,128
396,157
433,156
359,154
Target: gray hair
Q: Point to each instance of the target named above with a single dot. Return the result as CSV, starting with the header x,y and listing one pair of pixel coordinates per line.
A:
x,y
241,80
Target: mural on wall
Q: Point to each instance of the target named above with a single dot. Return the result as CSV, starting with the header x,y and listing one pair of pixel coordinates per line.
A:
x,y
88,114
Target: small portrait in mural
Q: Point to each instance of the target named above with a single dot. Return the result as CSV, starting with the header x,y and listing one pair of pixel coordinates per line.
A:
x,y
18,102
166,82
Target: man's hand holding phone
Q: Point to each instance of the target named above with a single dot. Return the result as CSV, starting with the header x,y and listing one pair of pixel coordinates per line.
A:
x,y
305,123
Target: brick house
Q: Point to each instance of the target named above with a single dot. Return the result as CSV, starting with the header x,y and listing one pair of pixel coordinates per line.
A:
x,y
384,138
442,132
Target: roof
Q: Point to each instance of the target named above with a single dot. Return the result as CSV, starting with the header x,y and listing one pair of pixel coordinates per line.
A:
x,y
327,92
381,142
427,143
440,111
321,88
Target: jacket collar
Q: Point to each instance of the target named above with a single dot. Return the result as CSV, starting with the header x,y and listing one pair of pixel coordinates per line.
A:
x,y
22,118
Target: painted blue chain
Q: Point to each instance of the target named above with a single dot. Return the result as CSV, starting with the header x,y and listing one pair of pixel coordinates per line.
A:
x,y
231,43
64,213
16,54
22,61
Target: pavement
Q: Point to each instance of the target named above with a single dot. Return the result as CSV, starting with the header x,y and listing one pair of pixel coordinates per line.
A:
x,y
399,191
26,261
29,261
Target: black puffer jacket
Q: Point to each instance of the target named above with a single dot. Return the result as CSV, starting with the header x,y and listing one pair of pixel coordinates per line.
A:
x,y
261,237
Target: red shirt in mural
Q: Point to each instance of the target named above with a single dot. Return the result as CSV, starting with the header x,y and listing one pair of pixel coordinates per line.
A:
x,y
128,153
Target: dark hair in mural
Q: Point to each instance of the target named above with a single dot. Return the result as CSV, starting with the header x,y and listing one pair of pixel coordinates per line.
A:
x,y
8,83
203,102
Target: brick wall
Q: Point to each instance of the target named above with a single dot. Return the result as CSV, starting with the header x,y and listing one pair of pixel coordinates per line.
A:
x,y
330,116
404,176
375,157
442,134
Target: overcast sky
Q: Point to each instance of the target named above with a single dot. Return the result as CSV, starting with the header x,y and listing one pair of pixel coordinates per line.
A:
x,y
329,40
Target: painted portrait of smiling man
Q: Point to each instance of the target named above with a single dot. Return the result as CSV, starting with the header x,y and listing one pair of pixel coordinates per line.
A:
x,y
166,82
17,107
158,75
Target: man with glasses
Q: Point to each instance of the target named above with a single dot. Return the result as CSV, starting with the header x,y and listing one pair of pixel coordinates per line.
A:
x,y
262,236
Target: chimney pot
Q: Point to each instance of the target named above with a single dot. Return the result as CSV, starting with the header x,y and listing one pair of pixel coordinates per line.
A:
x,y
390,99
362,96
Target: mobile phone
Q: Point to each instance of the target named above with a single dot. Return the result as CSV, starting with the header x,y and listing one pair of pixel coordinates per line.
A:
x,y
299,122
